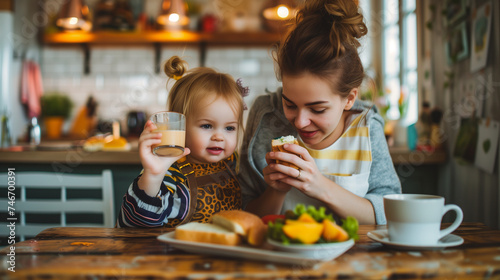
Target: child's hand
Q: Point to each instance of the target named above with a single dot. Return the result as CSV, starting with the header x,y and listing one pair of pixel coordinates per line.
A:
x,y
152,164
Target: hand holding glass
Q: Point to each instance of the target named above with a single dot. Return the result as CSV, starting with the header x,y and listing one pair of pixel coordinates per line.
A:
x,y
172,127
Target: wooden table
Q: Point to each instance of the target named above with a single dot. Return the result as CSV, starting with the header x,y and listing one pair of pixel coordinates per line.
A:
x,y
95,253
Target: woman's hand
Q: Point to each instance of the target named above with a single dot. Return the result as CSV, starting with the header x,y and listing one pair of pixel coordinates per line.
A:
x,y
307,179
273,177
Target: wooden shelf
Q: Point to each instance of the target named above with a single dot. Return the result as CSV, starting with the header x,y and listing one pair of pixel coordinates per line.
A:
x,y
149,37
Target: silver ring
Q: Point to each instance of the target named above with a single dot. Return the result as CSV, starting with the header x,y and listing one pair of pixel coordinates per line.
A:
x,y
298,176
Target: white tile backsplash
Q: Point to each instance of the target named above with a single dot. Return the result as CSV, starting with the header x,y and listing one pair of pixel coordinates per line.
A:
x,y
123,78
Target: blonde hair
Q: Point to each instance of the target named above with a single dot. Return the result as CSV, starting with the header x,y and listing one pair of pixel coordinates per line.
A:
x,y
193,85
324,42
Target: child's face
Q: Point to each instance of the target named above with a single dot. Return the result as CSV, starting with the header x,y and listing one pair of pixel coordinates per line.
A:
x,y
211,130
313,109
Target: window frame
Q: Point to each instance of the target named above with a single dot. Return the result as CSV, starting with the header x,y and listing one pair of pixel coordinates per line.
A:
x,y
404,72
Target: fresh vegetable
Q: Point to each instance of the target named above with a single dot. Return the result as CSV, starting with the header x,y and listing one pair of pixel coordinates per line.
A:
x,y
305,232
333,232
308,225
351,226
272,218
317,214
306,218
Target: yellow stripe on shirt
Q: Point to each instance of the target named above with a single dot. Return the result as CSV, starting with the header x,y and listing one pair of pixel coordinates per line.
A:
x,y
357,131
342,154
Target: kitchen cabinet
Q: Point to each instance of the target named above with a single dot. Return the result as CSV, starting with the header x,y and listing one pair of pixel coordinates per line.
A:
x,y
158,38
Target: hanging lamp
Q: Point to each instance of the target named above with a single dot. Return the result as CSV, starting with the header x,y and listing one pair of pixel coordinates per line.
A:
x,y
173,15
74,15
278,13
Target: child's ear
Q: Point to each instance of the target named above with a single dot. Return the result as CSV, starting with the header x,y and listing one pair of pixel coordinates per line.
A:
x,y
351,97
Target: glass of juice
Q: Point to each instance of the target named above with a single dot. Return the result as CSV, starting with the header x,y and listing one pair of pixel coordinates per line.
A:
x,y
172,126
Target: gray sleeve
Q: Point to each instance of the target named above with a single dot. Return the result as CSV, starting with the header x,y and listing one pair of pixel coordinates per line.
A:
x,y
251,180
383,177
265,121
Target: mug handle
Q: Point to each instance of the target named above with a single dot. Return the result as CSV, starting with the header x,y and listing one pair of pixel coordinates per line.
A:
x,y
456,223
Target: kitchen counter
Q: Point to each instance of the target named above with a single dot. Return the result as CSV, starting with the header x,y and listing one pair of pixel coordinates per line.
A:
x,y
416,169
67,152
403,156
79,156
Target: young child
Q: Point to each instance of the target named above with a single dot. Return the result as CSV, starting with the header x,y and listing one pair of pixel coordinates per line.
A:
x,y
201,182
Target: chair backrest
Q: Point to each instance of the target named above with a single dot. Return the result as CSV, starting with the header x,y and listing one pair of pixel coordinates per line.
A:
x,y
41,200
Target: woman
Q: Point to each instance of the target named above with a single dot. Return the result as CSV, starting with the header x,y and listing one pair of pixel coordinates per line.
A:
x,y
343,159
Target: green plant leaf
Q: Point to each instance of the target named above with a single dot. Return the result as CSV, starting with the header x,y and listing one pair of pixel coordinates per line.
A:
x,y
486,145
56,104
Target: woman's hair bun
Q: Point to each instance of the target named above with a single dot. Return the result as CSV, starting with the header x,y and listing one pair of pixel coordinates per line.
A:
x,y
346,21
175,67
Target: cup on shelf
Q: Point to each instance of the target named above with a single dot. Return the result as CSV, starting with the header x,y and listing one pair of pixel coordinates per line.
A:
x,y
172,126
415,219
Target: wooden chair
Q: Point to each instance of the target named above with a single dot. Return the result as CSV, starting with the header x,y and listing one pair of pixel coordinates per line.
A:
x,y
73,200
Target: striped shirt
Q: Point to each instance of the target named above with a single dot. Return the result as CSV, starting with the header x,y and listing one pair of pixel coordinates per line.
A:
x,y
171,204
346,162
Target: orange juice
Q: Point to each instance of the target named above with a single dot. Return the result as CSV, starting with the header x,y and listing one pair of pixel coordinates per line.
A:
x,y
172,143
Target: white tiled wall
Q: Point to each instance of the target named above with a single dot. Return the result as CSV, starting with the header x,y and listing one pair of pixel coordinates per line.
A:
x,y
123,78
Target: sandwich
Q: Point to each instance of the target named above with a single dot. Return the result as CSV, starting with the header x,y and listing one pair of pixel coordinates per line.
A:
x,y
230,227
277,146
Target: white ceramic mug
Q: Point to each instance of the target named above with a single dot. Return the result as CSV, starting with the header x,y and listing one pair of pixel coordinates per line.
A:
x,y
415,219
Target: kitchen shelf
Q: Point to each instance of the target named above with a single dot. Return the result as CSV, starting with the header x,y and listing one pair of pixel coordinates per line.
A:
x,y
167,37
158,38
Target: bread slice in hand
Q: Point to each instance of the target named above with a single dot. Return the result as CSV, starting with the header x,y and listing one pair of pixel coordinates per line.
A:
x,y
246,224
207,233
277,146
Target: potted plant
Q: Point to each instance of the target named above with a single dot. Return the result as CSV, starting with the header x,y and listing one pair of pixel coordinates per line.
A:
x,y
56,108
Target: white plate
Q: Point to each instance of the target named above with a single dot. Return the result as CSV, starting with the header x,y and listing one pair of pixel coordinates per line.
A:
x,y
382,236
266,254
327,251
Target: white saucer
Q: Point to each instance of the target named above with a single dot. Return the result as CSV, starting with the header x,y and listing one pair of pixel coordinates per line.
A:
x,y
382,236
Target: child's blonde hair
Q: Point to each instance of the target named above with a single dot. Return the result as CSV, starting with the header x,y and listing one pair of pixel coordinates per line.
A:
x,y
200,82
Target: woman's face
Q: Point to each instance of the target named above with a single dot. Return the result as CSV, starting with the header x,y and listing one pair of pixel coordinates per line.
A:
x,y
211,130
314,110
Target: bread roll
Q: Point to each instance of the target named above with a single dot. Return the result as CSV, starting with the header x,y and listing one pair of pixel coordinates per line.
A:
x,y
94,143
246,224
277,146
207,233
116,144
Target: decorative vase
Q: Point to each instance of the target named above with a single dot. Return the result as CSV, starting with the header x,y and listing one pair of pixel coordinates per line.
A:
x,y
400,134
53,127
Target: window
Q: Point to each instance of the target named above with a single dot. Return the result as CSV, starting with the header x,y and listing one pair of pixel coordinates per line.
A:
x,y
399,63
